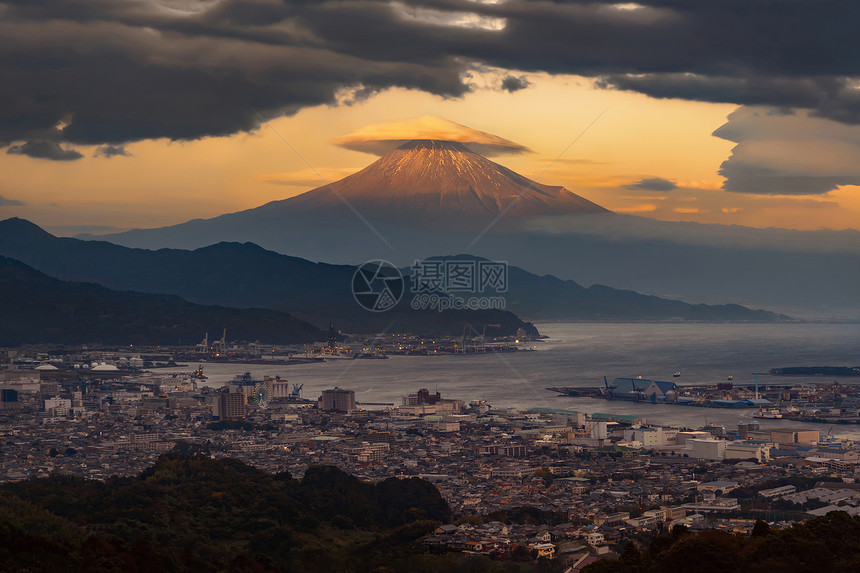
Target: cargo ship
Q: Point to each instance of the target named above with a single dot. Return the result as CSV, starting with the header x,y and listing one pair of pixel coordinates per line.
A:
x,y
768,414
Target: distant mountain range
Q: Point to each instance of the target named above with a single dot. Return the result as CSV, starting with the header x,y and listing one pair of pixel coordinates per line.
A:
x,y
246,275
36,308
430,197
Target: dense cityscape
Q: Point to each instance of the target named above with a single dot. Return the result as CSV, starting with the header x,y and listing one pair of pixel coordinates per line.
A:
x,y
589,482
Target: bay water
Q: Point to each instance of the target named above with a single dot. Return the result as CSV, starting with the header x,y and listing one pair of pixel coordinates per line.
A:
x,y
581,354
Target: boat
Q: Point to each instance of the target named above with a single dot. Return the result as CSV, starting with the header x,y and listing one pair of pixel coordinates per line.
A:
x,y
371,356
677,374
198,374
244,380
768,413
730,378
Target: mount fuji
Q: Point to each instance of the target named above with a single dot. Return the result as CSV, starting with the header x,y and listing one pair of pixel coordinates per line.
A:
x,y
440,180
401,199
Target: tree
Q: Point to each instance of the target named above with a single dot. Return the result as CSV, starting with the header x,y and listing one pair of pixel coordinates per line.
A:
x,y
544,474
631,557
760,529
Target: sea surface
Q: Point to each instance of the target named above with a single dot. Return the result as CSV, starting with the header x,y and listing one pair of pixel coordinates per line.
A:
x,y
581,354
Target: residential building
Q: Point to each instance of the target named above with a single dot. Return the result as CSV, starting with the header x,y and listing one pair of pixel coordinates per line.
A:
x,y
229,405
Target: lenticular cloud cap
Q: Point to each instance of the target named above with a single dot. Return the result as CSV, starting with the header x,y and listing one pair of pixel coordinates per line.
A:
x,y
380,138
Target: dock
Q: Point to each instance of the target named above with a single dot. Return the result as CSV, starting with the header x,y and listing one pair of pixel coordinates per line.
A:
x,y
824,403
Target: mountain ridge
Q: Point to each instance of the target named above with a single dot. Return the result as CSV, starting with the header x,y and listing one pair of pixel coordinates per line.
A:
x,y
37,308
236,274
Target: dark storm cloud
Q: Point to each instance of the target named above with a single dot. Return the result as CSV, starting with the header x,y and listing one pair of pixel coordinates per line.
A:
x,y
513,84
145,73
44,150
790,53
4,202
652,184
184,69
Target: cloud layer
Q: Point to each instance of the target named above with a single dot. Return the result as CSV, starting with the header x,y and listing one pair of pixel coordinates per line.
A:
x,y
788,154
108,151
380,138
120,72
652,184
44,150
4,202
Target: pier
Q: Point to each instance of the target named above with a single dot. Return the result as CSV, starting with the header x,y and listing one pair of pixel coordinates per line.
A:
x,y
828,403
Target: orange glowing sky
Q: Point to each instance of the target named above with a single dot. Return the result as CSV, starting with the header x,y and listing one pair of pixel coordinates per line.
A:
x,y
637,138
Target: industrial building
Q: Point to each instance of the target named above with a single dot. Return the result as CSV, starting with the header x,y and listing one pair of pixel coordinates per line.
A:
x,y
706,449
783,436
748,450
338,400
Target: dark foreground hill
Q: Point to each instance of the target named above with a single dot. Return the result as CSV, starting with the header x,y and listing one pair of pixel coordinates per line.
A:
x,y
36,308
246,275
197,514
828,543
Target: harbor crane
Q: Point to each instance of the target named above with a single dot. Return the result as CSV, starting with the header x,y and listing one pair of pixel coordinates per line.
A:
x,y
221,345
203,347
296,392
610,389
